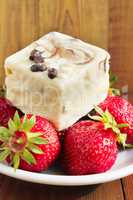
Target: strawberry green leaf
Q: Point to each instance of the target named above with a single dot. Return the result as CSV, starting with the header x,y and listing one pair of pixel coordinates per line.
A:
x,y
4,134
95,117
107,125
28,124
114,123
35,149
114,92
16,161
105,118
110,122
4,129
116,130
129,145
38,140
121,138
109,117
33,135
24,124
28,157
32,121
99,110
4,154
12,126
113,79
16,120
123,125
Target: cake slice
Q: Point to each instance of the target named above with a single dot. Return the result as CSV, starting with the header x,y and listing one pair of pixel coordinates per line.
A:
x,y
58,77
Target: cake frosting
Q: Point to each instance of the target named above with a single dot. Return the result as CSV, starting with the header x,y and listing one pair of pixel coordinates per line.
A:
x,y
58,77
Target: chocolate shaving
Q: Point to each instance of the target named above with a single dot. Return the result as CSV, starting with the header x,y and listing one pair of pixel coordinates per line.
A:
x,y
65,53
68,53
52,53
90,58
104,63
71,54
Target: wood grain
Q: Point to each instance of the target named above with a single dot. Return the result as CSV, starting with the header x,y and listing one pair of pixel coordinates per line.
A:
x,y
18,27
128,187
12,189
121,40
108,191
79,18
93,21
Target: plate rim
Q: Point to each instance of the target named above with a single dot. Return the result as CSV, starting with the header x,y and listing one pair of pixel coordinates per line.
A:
x,y
66,180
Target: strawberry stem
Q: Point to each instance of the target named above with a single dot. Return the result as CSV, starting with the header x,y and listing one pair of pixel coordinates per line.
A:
x,y
109,122
19,142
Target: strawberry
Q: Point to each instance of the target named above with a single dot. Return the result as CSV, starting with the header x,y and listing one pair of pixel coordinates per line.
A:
x,y
122,111
7,111
30,143
88,148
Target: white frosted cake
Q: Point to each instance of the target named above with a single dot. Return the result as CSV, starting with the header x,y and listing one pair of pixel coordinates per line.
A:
x,y
58,77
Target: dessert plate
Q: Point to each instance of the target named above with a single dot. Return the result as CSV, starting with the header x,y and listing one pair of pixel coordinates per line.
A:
x,y
123,167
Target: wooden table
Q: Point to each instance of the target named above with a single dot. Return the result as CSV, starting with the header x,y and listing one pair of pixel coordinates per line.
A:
x,y
11,189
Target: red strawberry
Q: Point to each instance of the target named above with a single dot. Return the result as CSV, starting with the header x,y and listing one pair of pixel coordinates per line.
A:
x,y
122,111
88,148
31,143
7,111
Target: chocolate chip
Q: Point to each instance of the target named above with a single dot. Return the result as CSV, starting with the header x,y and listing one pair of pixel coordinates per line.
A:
x,y
33,54
36,56
38,68
38,59
52,73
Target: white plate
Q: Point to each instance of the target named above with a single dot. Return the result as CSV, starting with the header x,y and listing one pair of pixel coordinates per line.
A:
x,y
123,167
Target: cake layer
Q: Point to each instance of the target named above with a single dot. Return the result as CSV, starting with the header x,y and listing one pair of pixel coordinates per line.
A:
x,y
58,77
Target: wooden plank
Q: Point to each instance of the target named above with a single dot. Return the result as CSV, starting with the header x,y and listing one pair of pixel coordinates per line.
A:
x,y
82,18
121,40
93,21
128,187
108,191
18,27
13,188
